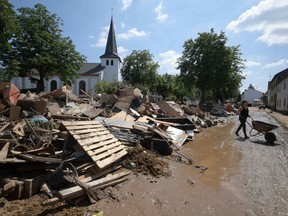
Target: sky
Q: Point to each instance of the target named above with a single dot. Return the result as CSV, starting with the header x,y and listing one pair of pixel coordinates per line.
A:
x,y
259,27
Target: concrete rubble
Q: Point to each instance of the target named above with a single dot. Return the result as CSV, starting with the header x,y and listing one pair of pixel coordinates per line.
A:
x,y
68,147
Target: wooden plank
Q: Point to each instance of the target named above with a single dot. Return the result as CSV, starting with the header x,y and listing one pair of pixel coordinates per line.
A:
x,y
101,144
4,151
72,123
111,159
104,148
102,173
92,113
94,140
91,135
94,134
69,117
55,200
107,153
84,127
66,193
86,131
4,126
39,159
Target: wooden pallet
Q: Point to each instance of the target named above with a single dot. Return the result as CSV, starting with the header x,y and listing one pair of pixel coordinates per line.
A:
x,y
102,146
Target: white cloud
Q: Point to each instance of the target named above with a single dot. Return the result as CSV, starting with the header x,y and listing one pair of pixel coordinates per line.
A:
x,y
268,17
282,62
121,50
126,4
252,64
91,36
132,33
161,17
102,40
168,61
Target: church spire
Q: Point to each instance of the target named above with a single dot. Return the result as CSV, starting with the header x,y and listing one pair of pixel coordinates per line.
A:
x,y
111,46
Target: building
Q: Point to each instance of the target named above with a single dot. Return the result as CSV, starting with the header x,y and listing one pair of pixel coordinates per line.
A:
x,y
251,95
278,92
89,74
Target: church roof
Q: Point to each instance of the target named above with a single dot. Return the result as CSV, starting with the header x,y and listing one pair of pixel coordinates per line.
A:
x,y
111,46
90,69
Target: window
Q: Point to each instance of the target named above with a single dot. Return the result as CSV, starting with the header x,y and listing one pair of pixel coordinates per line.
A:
x,y
53,85
112,62
82,86
107,62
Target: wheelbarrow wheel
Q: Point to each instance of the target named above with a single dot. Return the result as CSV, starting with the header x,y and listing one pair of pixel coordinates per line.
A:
x,y
270,137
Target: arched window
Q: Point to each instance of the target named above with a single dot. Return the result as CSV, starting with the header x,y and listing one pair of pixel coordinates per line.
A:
x,y
53,85
82,85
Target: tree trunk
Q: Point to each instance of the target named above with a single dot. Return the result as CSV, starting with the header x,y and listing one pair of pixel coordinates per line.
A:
x,y
40,84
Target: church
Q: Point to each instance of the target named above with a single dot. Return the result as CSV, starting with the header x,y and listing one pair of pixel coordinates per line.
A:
x,y
89,74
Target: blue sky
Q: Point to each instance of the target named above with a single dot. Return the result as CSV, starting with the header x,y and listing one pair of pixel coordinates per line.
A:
x,y
162,26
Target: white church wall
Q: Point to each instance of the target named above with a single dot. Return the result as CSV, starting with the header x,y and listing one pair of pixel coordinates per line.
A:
x,y
111,72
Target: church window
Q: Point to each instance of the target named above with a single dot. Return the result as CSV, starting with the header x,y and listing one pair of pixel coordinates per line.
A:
x,y
82,86
107,62
112,62
53,85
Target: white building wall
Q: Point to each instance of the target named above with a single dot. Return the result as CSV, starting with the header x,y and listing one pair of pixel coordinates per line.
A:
x,y
282,95
23,83
47,83
250,95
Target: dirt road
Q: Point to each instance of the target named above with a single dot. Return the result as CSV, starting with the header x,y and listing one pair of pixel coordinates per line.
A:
x,y
263,171
229,176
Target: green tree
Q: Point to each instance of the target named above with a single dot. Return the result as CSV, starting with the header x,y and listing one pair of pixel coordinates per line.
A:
x,y
40,46
171,86
164,85
140,69
8,29
211,65
8,25
106,87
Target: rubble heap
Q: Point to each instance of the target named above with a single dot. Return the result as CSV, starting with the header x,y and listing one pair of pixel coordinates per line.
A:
x,y
69,147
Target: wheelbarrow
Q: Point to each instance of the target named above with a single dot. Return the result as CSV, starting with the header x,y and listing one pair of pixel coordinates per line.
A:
x,y
263,128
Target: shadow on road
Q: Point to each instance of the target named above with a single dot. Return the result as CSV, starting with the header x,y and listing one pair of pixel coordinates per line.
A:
x,y
260,142
242,139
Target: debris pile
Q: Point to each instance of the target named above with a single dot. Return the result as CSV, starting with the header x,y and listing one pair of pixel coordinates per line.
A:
x,y
70,147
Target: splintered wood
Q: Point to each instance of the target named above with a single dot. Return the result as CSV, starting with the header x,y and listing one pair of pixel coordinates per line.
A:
x,y
102,146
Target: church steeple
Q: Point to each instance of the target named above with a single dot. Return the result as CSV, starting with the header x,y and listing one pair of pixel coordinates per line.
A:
x,y
110,60
111,46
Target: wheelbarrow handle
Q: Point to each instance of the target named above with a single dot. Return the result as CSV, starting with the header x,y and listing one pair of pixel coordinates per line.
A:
x,y
250,117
